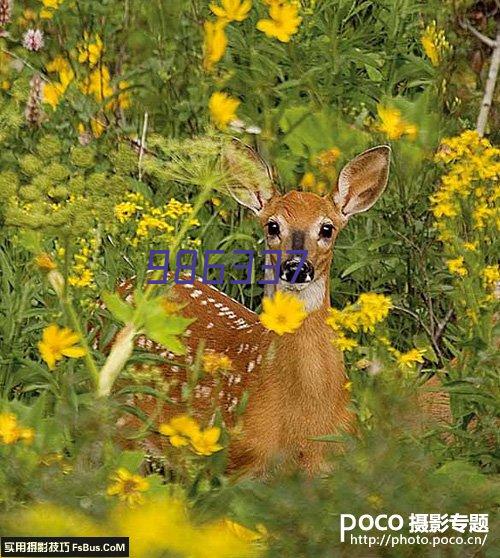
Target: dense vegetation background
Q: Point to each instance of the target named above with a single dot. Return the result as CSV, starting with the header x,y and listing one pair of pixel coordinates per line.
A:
x,y
112,115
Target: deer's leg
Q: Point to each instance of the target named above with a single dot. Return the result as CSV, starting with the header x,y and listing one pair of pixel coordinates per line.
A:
x,y
247,461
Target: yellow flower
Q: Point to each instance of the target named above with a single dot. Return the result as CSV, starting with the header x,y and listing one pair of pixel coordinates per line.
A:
x,y
205,443
11,432
348,386
81,277
232,10
375,500
97,126
125,210
180,430
369,309
90,52
27,16
54,4
283,23
326,159
127,486
344,343
491,274
410,357
444,209
184,430
214,362
470,246
163,527
393,125
45,262
284,313
47,12
430,48
457,266
243,533
148,222
481,214
434,43
124,101
53,91
223,109
373,309
98,83
57,343
309,183
60,65
214,43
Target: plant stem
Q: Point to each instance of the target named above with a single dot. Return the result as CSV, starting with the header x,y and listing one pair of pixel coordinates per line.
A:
x,y
490,86
88,358
120,353
60,285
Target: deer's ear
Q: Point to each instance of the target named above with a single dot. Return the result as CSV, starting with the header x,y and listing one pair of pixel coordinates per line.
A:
x,y
362,181
249,179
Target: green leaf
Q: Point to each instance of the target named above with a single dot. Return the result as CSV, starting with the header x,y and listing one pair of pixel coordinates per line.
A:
x,y
131,460
118,308
373,73
155,316
157,485
169,341
357,265
31,241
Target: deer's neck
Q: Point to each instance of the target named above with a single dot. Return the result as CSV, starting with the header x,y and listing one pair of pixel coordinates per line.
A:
x,y
307,363
307,357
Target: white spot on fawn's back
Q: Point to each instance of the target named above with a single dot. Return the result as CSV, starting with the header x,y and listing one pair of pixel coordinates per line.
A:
x,y
196,293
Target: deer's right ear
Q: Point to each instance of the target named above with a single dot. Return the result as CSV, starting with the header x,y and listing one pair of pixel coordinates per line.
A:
x,y
249,178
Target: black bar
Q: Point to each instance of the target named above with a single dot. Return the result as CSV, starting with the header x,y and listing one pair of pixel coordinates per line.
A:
x,y
58,547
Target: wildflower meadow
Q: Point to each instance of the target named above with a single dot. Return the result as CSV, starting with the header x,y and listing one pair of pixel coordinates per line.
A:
x,y
116,118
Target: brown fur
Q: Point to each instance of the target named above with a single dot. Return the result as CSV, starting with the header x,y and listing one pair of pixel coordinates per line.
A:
x,y
296,382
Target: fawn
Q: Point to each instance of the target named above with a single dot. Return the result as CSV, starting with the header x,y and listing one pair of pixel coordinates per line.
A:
x,y
296,382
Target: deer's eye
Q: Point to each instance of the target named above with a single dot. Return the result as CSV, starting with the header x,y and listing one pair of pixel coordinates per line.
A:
x,y
326,231
273,228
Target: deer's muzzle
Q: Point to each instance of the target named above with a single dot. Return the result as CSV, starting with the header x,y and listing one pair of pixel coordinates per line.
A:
x,y
293,271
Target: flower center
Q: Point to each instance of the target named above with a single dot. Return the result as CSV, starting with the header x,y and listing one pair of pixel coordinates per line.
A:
x,y
129,486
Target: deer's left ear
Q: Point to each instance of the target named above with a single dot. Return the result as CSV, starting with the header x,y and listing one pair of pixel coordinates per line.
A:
x,y
362,181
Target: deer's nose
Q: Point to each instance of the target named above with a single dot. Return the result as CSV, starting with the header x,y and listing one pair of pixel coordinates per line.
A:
x,y
294,271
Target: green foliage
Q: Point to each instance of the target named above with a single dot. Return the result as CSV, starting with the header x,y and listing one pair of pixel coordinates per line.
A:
x,y
83,200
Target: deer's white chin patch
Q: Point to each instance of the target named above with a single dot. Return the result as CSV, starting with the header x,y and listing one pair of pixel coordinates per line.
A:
x,y
313,293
